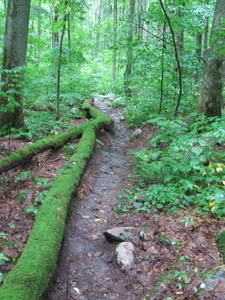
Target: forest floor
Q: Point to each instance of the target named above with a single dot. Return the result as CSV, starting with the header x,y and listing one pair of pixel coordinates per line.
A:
x,y
178,250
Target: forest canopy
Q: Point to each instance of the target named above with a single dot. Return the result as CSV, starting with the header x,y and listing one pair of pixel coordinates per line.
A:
x,y
153,54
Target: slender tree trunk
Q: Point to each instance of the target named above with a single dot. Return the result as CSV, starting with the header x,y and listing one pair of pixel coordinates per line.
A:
x,y
14,56
98,29
128,70
206,32
198,53
5,6
176,57
69,38
212,87
162,69
55,33
114,58
59,68
39,33
140,23
180,47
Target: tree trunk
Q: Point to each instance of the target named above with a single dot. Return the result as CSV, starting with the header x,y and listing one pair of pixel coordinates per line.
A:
x,y
59,68
206,32
69,38
55,33
128,70
114,58
98,29
14,60
212,87
179,70
198,53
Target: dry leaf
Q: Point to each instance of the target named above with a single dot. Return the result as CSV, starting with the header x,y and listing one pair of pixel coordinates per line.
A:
x,y
97,220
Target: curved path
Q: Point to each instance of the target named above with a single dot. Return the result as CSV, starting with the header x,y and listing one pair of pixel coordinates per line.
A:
x,y
87,267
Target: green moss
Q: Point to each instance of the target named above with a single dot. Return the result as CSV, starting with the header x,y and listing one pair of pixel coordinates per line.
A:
x,y
35,268
221,244
20,156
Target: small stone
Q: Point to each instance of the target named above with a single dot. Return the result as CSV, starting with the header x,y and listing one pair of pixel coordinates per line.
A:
x,y
98,254
136,133
74,110
141,198
119,234
137,205
125,255
16,217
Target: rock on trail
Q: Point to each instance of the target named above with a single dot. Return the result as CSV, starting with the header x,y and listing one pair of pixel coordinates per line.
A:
x,y
87,267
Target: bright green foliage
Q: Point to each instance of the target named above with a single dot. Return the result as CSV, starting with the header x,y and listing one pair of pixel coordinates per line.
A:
x,y
183,166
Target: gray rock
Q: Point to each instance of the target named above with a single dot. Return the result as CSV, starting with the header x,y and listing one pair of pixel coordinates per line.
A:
x,y
74,110
217,282
136,133
125,255
119,234
141,198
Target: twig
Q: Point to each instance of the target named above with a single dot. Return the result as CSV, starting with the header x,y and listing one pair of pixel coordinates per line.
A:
x,y
200,249
67,289
53,160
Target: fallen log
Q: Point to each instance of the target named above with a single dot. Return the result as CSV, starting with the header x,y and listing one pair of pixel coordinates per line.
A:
x,y
30,277
53,142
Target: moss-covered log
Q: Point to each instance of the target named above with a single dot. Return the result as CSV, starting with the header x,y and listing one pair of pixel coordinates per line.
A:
x,y
35,268
54,142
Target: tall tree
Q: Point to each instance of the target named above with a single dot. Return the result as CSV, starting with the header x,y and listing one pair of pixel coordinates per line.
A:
x,y
114,41
55,33
66,16
14,56
98,28
212,87
128,70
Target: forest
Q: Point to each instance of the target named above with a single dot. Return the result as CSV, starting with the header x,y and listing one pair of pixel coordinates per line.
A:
x,y
161,62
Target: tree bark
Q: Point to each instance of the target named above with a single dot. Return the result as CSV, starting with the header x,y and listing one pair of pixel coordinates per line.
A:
x,y
14,60
212,87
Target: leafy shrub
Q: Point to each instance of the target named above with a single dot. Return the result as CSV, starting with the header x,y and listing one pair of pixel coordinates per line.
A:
x,y
184,165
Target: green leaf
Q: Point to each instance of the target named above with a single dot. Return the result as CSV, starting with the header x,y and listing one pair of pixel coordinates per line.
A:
x,y
197,150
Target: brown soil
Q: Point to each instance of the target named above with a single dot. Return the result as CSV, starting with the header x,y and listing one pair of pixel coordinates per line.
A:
x,y
87,267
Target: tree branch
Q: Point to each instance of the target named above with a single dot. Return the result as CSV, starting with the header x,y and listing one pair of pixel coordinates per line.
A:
x,y
176,57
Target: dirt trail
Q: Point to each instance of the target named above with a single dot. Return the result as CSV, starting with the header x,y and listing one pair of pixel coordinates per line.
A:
x,y
170,262
87,267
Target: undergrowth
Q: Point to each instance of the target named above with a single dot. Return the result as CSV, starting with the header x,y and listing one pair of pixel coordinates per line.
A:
x,y
183,166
